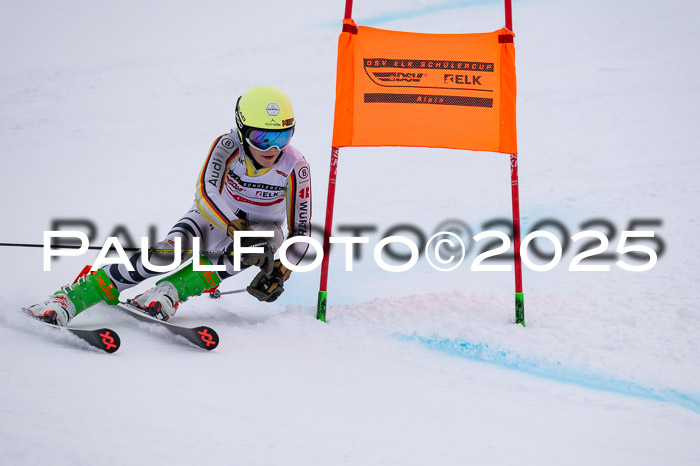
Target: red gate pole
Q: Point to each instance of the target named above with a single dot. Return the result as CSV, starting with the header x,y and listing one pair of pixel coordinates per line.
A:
x,y
514,183
323,288
519,299
348,9
509,15
328,228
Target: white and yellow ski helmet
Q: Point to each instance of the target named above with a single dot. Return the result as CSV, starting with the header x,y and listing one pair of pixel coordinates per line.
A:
x,y
265,118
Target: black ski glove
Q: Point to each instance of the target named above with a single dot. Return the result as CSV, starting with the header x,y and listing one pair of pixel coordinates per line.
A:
x,y
269,287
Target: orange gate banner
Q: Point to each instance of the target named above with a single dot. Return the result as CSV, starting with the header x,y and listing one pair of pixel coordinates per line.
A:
x,y
397,88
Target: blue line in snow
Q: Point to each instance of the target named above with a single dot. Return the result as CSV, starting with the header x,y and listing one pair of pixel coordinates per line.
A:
x,y
484,353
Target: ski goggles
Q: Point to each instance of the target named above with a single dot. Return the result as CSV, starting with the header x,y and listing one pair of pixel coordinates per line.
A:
x,y
264,140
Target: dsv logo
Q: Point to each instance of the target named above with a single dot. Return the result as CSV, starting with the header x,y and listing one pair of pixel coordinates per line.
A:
x,y
394,76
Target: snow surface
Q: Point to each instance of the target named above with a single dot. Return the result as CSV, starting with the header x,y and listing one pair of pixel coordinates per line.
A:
x,y
107,110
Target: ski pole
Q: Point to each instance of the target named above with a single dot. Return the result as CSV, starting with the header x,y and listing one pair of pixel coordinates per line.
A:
x,y
74,246
217,294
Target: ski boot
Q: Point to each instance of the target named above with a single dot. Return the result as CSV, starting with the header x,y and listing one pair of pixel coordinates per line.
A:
x,y
160,301
87,290
57,310
163,300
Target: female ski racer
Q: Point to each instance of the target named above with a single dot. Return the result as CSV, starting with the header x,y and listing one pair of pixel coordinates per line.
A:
x,y
252,179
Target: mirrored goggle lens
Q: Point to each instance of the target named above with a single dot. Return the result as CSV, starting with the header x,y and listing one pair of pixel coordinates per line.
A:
x,y
263,140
